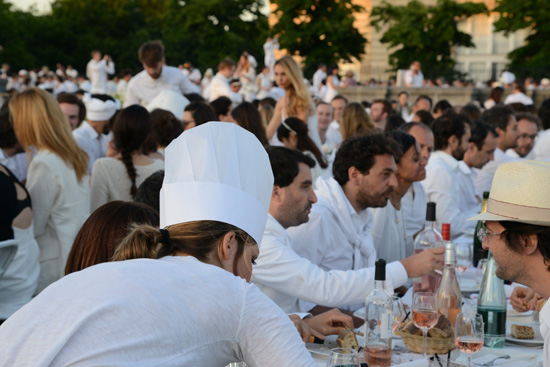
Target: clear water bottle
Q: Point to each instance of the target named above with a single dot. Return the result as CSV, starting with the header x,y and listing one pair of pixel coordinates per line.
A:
x,y
491,305
379,320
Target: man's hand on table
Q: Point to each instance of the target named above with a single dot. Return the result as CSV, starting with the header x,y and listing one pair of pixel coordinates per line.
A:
x,y
524,299
329,323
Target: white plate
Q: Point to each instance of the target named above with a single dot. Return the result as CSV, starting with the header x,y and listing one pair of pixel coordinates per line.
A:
x,y
530,359
468,285
511,312
537,341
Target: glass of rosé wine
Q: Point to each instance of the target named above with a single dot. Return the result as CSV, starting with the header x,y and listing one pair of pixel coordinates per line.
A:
x,y
425,313
469,333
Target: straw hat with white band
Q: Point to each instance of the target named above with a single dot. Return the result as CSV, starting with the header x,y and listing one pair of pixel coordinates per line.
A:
x,y
520,193
217,171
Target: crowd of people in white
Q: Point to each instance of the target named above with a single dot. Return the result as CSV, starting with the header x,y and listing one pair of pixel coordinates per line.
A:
x,y
339,184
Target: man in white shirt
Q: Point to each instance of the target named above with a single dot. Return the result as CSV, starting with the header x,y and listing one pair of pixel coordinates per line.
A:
x,y
481,150
73,108
528,128
219,87
452,134
92,136
541,151
155,77
518,231
318,78
503,120
97,70
414,76
287,277
518,95
414,201
380,109
422,103
329,139
338,103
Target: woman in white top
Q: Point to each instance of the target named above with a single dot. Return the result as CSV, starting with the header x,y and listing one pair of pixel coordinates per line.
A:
x,y
293,134
247,75
389,233
296,102
118,178
333,84
263,83
57,179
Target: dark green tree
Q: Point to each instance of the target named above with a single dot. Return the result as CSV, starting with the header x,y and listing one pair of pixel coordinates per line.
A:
x,y
531,59
201,31
322,31
424,33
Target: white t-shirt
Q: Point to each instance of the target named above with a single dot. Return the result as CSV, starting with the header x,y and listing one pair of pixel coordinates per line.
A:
x,y
93,143
142,88
175,311
97,72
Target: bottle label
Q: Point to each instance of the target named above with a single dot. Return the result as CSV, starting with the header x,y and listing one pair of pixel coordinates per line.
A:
x,y
386,325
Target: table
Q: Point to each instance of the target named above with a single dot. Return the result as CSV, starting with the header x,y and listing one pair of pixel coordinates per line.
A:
x,y
469,303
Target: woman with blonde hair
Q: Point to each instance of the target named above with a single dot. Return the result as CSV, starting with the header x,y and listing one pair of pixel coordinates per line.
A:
x,y
57,179
296,102
355,120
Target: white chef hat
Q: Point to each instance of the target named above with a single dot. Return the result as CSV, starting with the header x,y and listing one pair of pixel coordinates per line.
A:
x,y
217,171
170,101
99,110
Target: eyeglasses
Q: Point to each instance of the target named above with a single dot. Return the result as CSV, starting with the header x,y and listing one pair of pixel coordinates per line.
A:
x,y
482,234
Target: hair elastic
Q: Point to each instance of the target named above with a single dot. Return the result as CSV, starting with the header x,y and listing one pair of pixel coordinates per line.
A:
x,y
165,236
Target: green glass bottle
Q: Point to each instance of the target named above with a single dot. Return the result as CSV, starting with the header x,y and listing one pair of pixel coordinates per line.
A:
x,y
479,252
491,305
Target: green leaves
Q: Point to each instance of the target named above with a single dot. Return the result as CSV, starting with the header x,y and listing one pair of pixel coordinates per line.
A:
x,y
531,59
322,31
200,31
424,33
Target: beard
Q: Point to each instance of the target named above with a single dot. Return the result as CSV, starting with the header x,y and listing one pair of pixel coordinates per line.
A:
x,y
366,200
458,153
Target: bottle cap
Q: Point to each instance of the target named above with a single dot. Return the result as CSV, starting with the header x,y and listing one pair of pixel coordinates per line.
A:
x,y
450,253
486,194
380,272
430,212
446,231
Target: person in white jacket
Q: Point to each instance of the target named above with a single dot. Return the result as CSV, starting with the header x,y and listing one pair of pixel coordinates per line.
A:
x,y
97,70
287,277
57,180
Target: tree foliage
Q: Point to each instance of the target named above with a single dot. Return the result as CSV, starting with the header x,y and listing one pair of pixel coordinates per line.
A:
x,y
424,33
200,31
531,59
322,31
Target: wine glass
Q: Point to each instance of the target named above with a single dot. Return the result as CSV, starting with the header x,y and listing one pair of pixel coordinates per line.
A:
x,y
398,313
425,313
463,258
480,270
469,333
343,357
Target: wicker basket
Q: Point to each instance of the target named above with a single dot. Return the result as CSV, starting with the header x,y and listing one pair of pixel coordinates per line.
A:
x,y
433,345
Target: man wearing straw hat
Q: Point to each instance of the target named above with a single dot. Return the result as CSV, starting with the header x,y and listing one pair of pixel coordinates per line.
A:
x,y
518,230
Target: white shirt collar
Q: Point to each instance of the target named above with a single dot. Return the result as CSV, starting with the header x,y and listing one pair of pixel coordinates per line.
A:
x,y
89,130
447,158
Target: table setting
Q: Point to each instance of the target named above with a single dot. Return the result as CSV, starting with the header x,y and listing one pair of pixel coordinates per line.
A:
x,y
515,352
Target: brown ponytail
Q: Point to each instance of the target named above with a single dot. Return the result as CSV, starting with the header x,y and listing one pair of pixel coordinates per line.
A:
x,y
130,169
200,239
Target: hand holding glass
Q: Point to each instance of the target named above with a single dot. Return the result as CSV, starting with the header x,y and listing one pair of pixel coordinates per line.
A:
x,y
425,313
340,357
469,333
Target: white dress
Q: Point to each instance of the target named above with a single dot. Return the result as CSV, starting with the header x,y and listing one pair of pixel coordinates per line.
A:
x,y
331,92
175,311
60,205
